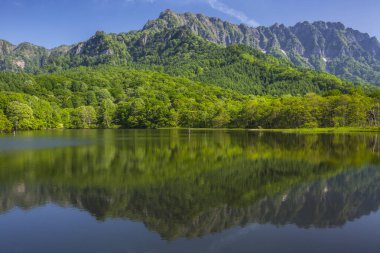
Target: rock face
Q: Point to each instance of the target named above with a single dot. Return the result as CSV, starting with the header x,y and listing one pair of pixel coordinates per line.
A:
x,y
24,56
320,45
6,48
324,46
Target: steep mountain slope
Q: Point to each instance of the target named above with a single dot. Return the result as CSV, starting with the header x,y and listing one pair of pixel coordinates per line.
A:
x,y
179,52
321,46
25,56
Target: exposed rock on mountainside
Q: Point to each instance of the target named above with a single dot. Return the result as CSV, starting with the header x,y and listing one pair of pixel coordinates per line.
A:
x,y
321,45
324,46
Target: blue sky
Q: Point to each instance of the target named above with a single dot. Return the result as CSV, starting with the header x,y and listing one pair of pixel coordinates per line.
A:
x,y
54,22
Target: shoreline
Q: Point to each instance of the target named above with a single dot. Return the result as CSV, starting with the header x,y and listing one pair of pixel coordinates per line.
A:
x,y
289,130
322,130
284,130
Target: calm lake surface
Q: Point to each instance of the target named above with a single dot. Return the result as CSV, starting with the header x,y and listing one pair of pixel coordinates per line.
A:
x,y
168,191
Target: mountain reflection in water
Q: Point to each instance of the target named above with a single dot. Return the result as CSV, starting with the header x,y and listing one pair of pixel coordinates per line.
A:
x,y
182,185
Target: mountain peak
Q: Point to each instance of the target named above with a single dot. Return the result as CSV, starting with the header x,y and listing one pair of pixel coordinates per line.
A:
x,y
325,46
308,44
167,12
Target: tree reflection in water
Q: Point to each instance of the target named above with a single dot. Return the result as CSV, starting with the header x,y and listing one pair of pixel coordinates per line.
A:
x,y
191,186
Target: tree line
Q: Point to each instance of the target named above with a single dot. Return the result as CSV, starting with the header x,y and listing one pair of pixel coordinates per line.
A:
x,y
109,97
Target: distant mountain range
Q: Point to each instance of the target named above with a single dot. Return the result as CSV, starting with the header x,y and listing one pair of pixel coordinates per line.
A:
x,y
322,46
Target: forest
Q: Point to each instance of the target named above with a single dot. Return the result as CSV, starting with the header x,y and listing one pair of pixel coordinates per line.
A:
x,y
113,97
158,78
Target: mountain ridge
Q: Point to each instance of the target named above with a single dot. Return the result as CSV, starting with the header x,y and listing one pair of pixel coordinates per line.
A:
x,y
278,36
323,46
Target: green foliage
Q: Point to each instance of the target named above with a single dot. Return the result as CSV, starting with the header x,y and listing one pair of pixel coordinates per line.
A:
x,y
20,114
180,44
107,112
108,97
5,124
83,117
310,111
236,67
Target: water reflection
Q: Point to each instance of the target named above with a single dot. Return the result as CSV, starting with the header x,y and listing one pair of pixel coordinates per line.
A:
x,y
190,186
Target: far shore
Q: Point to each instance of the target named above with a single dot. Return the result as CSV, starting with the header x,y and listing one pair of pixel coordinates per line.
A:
x,y
285,130
322,130
289,130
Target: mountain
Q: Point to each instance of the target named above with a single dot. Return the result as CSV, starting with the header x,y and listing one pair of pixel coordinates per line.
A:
x,y
330,47
166,75
24,56
320,45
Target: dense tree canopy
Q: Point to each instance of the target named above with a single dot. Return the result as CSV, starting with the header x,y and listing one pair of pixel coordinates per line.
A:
x,y
107,97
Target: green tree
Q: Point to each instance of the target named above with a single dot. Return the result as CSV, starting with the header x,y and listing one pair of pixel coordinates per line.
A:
x,y
5,124
107,113
83,117
20,114
132,114
221,119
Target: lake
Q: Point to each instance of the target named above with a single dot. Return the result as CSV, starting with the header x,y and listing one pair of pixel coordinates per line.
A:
x,y
174,191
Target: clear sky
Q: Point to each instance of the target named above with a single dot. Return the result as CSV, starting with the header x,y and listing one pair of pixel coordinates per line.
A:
x,y
54,22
